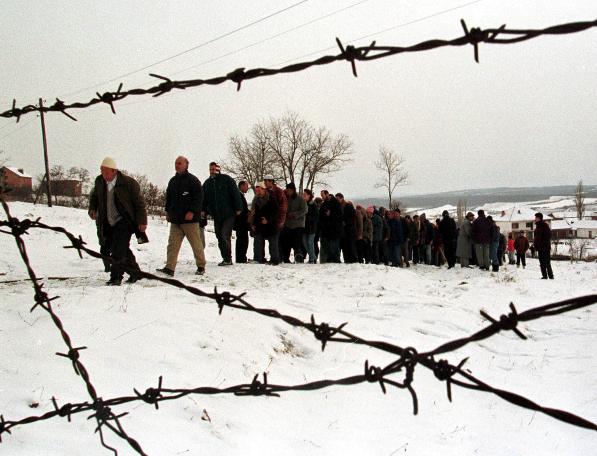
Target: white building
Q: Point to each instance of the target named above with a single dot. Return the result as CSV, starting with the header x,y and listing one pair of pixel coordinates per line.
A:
x,y
574,228
518,219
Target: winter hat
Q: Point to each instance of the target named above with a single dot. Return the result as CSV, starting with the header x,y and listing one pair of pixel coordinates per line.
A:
x,y
539,215
109,162
268,177
445,214
291,186
259,184
217,167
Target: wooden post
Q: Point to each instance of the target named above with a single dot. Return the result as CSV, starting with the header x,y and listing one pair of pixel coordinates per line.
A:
x,y
43,136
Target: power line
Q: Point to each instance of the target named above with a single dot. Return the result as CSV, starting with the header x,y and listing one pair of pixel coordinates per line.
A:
x,y
18,128
394,27
277,35
205,43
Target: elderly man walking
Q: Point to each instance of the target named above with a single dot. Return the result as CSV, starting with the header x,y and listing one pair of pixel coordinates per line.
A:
x,y
118,207
222,200
184,197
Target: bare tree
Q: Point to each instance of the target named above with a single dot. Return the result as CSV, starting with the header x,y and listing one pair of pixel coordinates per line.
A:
x,y
250,158
290,149
391,166
579,200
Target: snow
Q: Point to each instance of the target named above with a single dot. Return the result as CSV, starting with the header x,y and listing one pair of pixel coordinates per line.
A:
x,y
135,333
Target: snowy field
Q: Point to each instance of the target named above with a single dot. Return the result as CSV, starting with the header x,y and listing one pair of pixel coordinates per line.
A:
x,y
135,333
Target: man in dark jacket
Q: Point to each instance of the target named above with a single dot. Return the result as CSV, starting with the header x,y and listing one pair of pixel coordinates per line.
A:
x,y
447,228
542,243
184,198
348,235
118,207
263,219
241,226
481,236
222,200
330,226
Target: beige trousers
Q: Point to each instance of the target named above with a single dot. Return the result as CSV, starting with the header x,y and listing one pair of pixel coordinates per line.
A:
x,y
177,234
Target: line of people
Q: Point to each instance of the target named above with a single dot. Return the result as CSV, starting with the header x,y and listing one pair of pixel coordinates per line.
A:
x,y
323,228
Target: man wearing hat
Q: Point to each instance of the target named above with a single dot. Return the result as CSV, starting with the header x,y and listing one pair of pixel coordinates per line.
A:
x,y
118,207
222,200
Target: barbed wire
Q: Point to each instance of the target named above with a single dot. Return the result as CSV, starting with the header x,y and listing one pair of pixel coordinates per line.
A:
x,y
472,36
405,364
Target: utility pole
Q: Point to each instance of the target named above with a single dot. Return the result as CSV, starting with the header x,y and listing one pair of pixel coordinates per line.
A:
x,y
43,136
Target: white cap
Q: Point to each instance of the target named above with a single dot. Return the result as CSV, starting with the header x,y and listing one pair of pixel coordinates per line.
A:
x,y
109,162
268,177
259,184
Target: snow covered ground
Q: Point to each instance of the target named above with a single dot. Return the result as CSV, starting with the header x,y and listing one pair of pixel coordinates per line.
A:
x,y
135,333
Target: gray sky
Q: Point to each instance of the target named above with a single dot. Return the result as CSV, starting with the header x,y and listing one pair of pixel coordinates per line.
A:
x,y
526,115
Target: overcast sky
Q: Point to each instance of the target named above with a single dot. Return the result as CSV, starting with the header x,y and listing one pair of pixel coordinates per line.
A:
x,y
525,116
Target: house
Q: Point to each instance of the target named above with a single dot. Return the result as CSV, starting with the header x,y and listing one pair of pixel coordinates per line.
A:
x,y
65,187
518,219
573,228
17,181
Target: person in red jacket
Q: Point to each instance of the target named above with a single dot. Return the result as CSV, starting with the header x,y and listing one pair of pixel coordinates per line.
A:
x,y
521,244
511,250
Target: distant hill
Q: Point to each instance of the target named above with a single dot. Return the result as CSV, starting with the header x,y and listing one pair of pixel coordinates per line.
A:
x,y
481,196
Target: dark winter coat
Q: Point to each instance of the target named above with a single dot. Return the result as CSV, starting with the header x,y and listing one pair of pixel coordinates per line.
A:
x,y
282,204
405,232
376,227
521,244
426,232
266,207
396,234
330,219
184,194
241,221
542,236
502,244
447,228
311,218
221,197
129,201
349,222
481,232
413,233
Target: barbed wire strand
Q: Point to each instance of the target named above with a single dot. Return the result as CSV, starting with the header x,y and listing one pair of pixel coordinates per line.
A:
x,y
472,36
407,360
186,51
102,413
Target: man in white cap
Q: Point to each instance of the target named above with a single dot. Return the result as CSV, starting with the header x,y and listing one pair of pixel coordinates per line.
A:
x,y
118,207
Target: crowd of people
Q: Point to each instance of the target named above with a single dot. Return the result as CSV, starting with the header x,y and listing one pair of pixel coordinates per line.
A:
x,y
326,228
